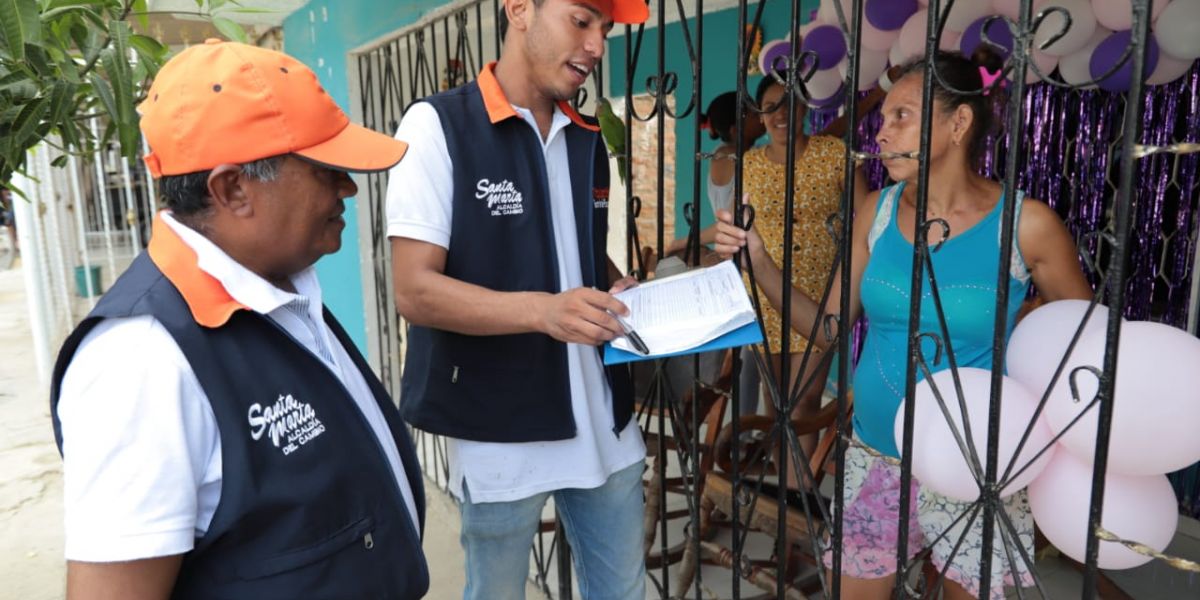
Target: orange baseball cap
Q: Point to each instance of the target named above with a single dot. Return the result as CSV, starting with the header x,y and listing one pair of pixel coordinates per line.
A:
x,y
631,12
225,102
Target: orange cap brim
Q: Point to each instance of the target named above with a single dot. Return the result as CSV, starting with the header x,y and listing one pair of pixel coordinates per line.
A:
x,y
357,149
630,12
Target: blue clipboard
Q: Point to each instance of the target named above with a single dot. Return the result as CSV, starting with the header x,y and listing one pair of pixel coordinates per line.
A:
x,y
745,335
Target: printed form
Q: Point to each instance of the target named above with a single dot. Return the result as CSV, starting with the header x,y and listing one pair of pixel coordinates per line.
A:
x,y
686,310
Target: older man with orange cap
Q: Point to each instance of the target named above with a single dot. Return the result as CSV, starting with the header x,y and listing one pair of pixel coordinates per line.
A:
x,y
221,435
498,220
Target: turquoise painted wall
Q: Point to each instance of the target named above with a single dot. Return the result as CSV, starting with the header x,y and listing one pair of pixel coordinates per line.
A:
x,y
719,75
320,34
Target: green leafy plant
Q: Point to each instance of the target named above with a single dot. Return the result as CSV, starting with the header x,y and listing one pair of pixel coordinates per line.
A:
x,y
64,62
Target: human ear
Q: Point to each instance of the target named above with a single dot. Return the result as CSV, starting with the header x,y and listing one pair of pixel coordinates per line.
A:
x,y
227,191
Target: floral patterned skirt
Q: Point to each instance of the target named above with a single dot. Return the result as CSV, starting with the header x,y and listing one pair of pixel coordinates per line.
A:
x,y
870,528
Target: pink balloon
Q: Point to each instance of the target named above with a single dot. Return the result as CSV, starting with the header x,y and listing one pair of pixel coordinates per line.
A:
x,y
1008,8
912,36
1156,401
1117,15
937,460
1075,68
1169,69
965,12
871,65
828,13
1045,63
1083,26
951,40
874,38
895,57
1141,509
1175,30
1040,340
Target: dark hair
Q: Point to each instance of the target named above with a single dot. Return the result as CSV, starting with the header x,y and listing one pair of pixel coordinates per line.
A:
x,y
721,117
502,18
963,74
187,195
759,93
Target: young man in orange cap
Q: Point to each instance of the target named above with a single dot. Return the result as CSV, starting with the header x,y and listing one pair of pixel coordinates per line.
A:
x,y
221,435
498,220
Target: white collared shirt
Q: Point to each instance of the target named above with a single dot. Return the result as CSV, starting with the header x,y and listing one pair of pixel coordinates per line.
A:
x,y
419,206
141,447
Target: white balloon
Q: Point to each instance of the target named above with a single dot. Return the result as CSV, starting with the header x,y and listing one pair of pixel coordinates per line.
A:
x,y
1142,509
1075,68
824,83
965,12
1169,69
871,64
1083,26
1156,402
1176,30
937,461
1117,15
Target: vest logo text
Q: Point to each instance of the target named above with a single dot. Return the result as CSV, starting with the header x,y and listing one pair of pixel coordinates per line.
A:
x,y
289,423
503,198
599,198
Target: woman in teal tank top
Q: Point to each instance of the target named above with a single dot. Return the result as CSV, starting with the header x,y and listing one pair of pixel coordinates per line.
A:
x,y
966,268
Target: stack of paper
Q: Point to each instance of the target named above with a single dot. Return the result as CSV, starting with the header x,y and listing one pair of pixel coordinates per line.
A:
x,y
702,309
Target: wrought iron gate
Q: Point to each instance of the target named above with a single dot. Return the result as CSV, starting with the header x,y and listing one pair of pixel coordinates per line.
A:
x,y
713,471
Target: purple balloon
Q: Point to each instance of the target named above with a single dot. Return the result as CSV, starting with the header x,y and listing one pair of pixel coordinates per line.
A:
x,y
776,57
1109,52
889,15
997,32
828,44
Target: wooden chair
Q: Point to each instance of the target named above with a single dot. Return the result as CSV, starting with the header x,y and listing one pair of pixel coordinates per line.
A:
x,y
718,496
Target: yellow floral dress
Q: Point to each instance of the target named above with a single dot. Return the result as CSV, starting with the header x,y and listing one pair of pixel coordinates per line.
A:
x,y
818,190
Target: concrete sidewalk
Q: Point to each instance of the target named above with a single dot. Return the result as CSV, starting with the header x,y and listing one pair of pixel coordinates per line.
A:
x,y
31,517
31,529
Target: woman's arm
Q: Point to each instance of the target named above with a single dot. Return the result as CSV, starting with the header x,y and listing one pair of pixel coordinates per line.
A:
x,y
1050,254
804,310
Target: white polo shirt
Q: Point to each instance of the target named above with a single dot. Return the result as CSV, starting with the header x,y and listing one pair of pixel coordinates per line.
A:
x,y
141,447
419,207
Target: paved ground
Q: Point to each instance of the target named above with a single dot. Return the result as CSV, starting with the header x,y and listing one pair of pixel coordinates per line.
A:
x,y
31,565
31,531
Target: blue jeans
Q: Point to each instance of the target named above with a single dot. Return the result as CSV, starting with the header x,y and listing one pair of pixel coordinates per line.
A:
x,y
603,525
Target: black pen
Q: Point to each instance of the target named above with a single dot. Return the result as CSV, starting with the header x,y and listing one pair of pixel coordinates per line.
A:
x,y
632,335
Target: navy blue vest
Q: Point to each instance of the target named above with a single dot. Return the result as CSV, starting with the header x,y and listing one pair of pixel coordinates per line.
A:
x,y
310,508
508,388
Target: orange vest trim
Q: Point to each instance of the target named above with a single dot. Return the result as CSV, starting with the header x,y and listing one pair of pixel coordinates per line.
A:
x,y
497,104
210,303
499,108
